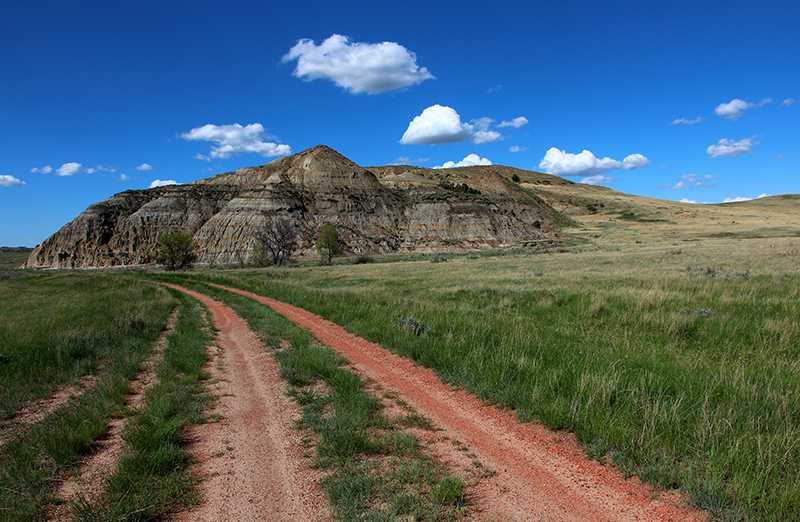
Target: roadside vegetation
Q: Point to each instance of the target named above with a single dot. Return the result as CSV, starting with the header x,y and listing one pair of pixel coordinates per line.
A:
x,y
57,329
151,480
680,365
375,469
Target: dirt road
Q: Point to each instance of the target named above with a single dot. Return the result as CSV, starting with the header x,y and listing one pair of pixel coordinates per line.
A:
x,y
540,474
251,457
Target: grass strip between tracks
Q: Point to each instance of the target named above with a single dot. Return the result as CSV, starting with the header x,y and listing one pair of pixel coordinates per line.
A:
x,y
376,469
151,479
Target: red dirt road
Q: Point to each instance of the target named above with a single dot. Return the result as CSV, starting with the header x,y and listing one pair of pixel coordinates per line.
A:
x,y
251,458
541,474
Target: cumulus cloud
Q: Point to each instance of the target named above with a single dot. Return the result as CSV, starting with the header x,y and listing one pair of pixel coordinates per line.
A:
x,y
598,179
469,161
516,122
440,124
733,109
787,102
729,148
235,139
684,121
357,67
516,148
144,166
10,181
635,161
687,200
44,170
562,163
162,183
68,169
124,177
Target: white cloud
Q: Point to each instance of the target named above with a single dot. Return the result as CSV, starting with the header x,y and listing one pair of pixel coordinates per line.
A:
x,y
44,170
355,66
562,163
743,198
235,139
516,122
729,148
684,121
92,170
788,101
687,200
68,169
144,166
691,181
483,136
10,181
440,124
635,161
516,148
124,177
162,183
469,161
598,179
733,109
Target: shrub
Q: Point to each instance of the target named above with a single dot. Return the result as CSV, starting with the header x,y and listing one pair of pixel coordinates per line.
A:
x,y
177,251
362,259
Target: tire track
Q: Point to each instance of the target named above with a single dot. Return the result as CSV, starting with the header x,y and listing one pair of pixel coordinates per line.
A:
x,y
251,458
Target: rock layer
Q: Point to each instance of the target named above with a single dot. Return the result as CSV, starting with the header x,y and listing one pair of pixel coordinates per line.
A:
x,y
224,213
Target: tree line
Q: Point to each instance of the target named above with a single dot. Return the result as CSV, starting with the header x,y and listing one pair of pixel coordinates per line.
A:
x,y
276,243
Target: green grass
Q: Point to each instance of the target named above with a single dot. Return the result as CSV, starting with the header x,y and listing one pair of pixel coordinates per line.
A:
x,y
375,470
55,329
10,261
151,480
686,378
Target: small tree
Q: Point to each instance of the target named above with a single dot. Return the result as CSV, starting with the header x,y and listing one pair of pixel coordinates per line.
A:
x,y
177,251
276,241
329,244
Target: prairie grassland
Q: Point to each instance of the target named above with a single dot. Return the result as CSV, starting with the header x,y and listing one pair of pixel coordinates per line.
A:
x,y
12,260
55,329
677,355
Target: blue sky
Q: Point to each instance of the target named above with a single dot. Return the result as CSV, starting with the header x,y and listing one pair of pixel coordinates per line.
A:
x,y
676,100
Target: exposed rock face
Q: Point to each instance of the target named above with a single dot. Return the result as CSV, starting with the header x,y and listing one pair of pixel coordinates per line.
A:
x,y
224,213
